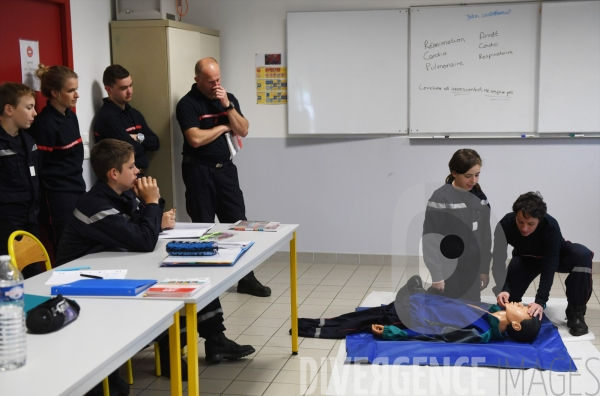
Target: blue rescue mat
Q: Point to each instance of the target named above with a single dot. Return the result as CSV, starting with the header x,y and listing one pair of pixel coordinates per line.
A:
x,y
547,352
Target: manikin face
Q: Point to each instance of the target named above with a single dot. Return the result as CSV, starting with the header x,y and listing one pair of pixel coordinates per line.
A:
x,y
127,176
526,225
67,97
467,180
516,313
121,92
208,80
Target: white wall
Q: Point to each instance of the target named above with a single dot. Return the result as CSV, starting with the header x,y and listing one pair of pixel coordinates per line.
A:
x,y
350,195
91,55
346,192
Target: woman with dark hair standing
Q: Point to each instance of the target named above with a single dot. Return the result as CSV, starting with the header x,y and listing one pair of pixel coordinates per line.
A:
x,y
59,142
456,231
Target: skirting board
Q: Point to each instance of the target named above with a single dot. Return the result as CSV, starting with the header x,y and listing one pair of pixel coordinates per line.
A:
x,y
363,259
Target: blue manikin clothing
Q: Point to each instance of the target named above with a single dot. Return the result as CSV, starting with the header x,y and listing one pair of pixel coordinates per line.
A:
x,y
440,318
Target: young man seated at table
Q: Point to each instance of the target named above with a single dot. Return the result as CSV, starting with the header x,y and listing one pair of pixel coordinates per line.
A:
x,y
110,217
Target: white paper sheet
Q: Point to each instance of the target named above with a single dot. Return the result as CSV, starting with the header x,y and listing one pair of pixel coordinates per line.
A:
x,y
186,230
30,59
62,277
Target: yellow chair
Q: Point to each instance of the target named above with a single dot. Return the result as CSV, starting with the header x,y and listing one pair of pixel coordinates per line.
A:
x,y
27,250
24,249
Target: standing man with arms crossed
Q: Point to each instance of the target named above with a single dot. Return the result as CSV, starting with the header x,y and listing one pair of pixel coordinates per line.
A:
x,y
205,114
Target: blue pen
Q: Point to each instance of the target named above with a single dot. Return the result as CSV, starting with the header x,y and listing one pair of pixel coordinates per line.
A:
x,y
73,269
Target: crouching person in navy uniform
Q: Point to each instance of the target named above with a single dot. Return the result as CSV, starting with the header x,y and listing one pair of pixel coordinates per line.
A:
x,y
540,249
19,166
98,224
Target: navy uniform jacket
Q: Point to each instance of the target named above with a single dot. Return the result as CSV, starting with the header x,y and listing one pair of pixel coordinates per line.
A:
x,y
104,220
195,110
19,172
463,213
117,123
544,244
61,150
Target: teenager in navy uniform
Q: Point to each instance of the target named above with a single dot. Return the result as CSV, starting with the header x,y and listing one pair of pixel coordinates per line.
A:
x,y
19,165
205,115
110,217
116,118
59,142
540,249
457,238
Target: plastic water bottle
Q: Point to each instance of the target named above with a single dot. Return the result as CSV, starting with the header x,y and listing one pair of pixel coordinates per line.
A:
x,y
13,349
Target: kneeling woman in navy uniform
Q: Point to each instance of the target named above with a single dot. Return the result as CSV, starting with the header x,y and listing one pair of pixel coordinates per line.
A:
x,y
59,142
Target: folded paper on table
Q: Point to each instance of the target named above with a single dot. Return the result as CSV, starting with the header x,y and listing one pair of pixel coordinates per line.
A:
x,y
229,253
175,287
247,225
103,287
59,277
186,230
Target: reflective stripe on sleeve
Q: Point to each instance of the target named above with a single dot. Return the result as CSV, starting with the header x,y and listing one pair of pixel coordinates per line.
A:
x,y
4,153
97,217
439,205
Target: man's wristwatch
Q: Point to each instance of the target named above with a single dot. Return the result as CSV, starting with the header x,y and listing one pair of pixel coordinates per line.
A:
x,y
230,107
141,137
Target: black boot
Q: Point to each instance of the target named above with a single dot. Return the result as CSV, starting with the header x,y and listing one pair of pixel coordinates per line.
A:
x,y
165,359
250,285
219,347
413,285
576,320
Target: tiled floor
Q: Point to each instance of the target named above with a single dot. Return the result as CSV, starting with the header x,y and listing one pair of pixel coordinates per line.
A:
x,y
323,290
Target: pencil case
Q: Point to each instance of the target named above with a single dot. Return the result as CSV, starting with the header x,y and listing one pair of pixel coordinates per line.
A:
x,y
192,248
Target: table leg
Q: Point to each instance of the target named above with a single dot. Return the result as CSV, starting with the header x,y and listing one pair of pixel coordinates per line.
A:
x,y
294,293
192,347
105,387
175,357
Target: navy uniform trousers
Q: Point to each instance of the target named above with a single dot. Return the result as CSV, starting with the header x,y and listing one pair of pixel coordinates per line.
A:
x,y
574,259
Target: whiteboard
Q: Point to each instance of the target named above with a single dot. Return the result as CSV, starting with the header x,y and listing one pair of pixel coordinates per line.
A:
x,y
570,67
347,72
473,69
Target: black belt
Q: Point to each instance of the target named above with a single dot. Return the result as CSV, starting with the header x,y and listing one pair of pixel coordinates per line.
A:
x,y
195,160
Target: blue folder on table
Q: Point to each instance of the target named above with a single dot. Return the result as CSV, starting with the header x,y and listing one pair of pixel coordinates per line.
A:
x,y
103,287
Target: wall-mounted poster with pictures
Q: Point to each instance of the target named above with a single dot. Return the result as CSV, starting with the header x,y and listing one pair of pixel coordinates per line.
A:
x,y
271,79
